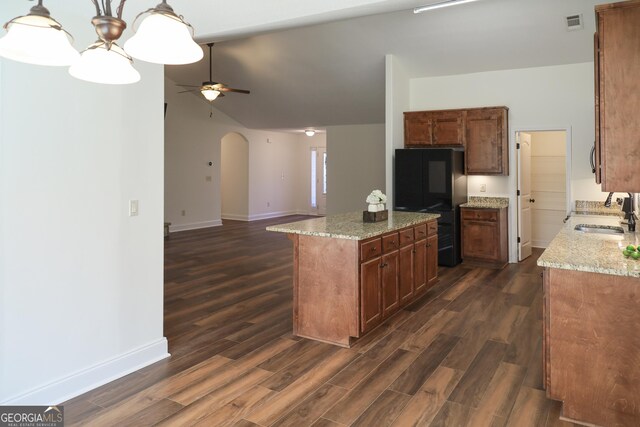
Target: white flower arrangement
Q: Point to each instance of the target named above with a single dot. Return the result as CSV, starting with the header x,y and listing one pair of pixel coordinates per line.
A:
x,y
376,197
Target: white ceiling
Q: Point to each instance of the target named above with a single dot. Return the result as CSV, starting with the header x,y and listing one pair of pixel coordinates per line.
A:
x,y
332,73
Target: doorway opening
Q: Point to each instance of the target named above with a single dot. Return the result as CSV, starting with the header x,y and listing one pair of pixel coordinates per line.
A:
x,y
544,186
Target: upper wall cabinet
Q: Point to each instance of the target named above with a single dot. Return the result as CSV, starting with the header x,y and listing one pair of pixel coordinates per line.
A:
x,y
417,129
617,61
487,142
481,131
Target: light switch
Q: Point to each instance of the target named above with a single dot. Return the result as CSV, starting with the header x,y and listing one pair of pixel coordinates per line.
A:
x,y
483,188
133,208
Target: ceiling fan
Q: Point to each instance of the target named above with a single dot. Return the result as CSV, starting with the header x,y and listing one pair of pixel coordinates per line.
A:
x,y
210,89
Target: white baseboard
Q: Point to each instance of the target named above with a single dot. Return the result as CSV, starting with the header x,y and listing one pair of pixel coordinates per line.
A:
x,y
235,217
268,215
195,225
87,379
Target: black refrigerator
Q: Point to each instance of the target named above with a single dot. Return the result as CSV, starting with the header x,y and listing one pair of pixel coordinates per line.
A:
x,y
432,180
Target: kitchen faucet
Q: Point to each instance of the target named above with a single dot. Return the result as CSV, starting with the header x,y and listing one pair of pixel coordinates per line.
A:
x,y
628,207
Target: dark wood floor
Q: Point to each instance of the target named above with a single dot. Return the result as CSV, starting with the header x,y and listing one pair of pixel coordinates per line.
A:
x,y
468,353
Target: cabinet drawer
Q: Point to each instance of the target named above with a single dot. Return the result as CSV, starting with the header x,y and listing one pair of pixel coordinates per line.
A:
x,y
390,243
480,214
406,236
432,228
370,249
420,232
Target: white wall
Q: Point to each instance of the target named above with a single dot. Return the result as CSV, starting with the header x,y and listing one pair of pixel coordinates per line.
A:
x,y
555,97
193,138
397,101
234,180
355,165
81,281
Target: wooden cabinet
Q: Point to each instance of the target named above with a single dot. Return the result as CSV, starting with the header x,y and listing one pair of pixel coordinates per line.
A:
x,y
617,60
417,129
370,294
483,132
484,236
590,346
406,274
448,128
487,141
434,128
432,260
344,288
389,284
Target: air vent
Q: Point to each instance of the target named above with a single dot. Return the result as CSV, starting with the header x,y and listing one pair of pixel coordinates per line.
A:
x,y
574,22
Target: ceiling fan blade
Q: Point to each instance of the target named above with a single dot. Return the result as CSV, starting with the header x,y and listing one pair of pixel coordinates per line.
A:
x,y
185,91
178,84
230,89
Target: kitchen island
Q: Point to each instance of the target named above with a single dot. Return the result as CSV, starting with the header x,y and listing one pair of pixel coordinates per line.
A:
x,y
591,315
349,276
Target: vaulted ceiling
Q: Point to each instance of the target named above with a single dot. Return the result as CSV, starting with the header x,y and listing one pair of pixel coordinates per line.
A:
x,y
332,73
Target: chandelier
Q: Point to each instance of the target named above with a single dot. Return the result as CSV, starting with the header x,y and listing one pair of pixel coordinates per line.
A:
x,y
163,37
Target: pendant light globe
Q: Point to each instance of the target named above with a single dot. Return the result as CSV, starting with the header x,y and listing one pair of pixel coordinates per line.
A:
x,y
105,65
37,39
164,38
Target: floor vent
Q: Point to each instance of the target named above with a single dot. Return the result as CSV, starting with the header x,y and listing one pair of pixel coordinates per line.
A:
x,y
574,22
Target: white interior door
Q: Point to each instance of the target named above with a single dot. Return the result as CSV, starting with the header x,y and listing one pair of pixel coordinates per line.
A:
x,y
524,196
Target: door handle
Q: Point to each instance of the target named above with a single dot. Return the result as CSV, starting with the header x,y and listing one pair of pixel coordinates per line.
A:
x,y
592,158
532,200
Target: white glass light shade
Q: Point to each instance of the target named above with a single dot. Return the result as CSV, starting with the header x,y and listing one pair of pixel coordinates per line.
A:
x,y
37,40
163,40
310,132
210,94
99,65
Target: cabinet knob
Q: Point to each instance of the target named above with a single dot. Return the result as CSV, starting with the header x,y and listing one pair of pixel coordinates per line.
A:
x,y
532,200
383,265
373,249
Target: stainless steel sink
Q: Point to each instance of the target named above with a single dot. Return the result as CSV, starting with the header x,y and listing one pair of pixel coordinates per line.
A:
x,y
599,229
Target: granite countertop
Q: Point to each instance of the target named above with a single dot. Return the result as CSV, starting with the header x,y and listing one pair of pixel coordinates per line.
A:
x,y
589,207
350,225
486,202
594,253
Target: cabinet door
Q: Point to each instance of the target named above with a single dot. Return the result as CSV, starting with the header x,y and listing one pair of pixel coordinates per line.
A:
x,y
405,274
390,290
619,30
370,296
420,266
486,142
448,128
480,240
417,128
432,259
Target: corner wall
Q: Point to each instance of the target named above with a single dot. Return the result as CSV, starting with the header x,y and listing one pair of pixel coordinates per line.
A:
x,y
552,98
81,282
355,166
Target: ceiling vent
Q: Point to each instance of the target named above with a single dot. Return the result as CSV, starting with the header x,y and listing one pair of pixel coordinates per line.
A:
x,y
574,22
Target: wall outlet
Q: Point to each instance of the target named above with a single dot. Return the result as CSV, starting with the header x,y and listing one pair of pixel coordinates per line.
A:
x,y
183,212
483,188
133,208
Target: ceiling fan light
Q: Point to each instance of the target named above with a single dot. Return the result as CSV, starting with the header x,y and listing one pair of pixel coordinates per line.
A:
x,y
98,64
210,94
310,132
164,38
39,40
